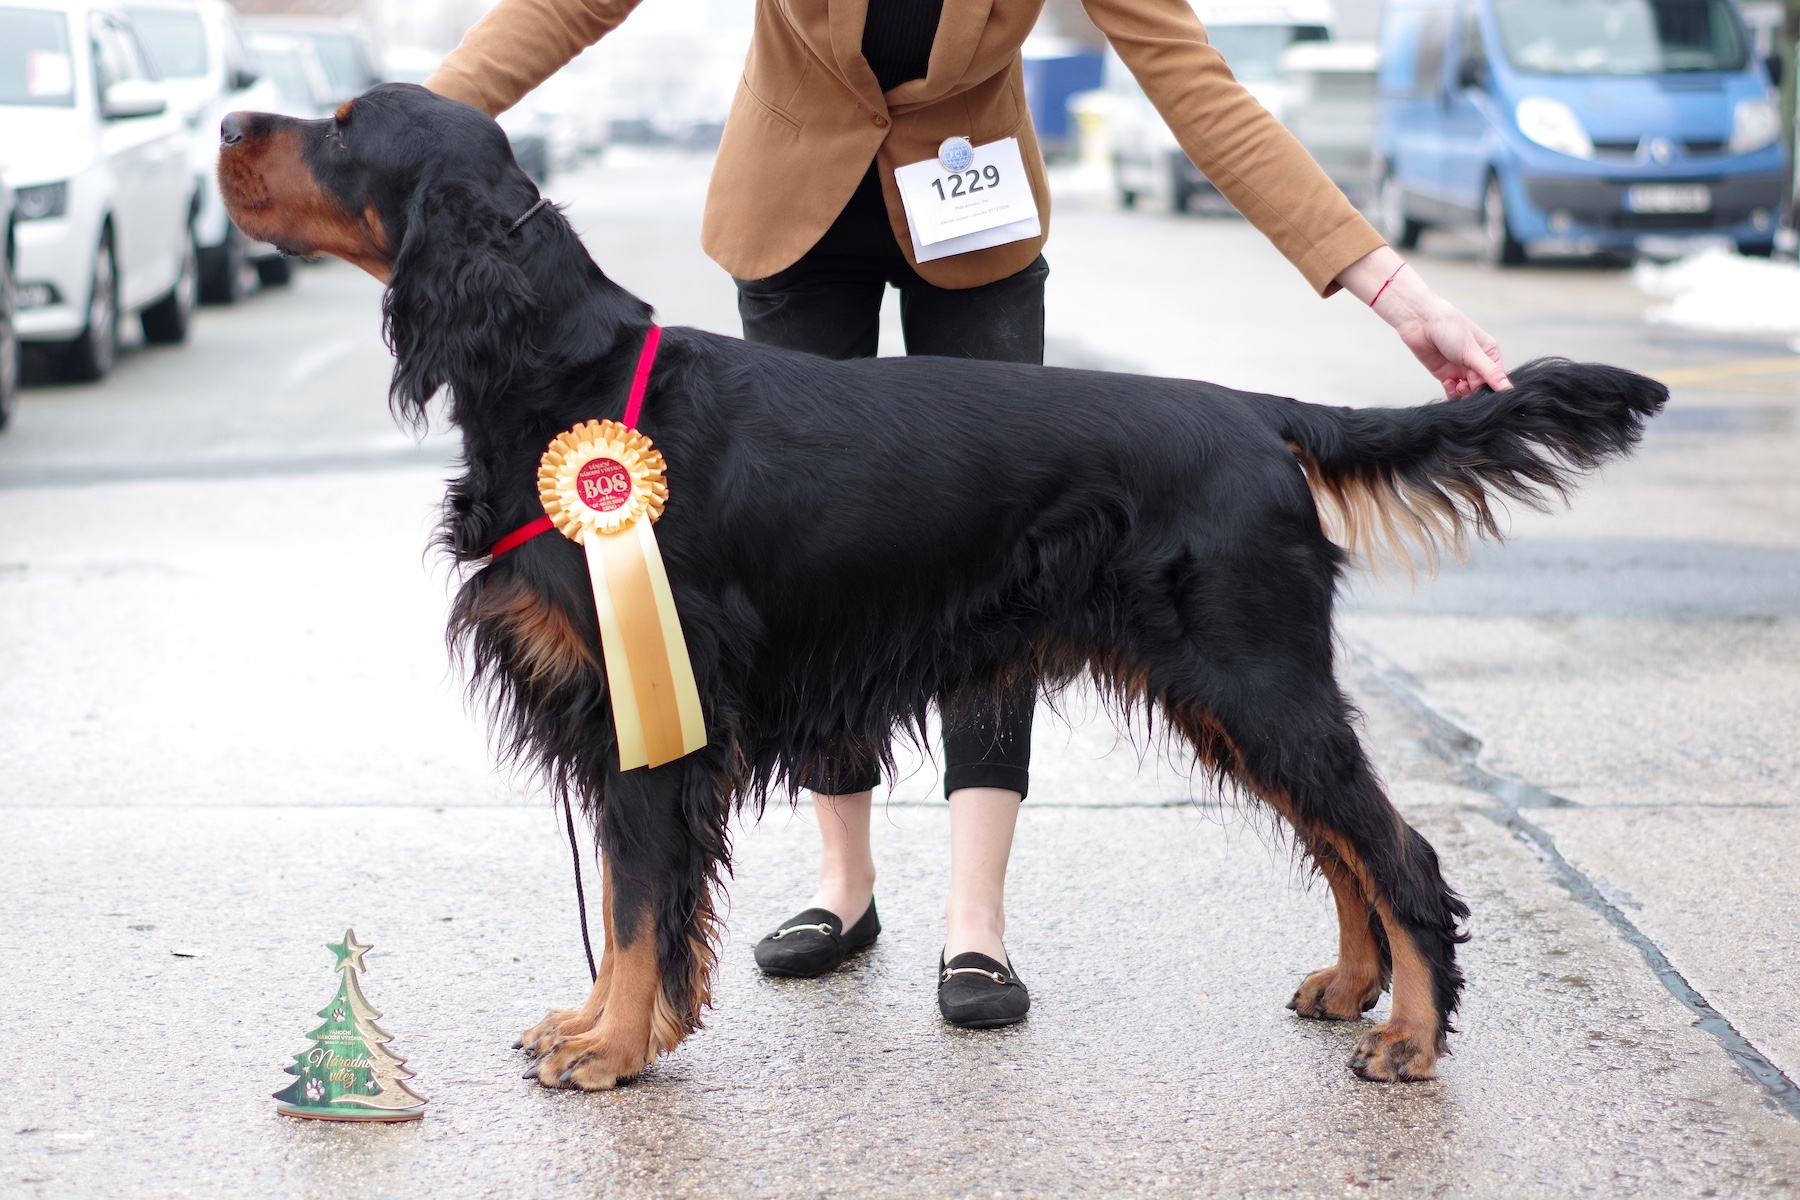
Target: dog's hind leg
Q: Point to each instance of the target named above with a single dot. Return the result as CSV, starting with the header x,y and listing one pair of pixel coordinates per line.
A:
x,y
662,841
1300,755
1351,986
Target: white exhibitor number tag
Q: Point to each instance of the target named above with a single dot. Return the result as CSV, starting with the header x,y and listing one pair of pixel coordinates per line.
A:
x,y
986,203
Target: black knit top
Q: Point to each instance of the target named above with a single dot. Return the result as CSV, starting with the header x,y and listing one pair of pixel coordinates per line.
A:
x,y
896,40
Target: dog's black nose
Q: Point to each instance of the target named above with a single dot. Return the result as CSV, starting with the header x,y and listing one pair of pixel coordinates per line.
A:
x,y
231,129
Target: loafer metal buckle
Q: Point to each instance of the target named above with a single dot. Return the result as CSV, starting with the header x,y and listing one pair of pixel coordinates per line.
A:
x,y
997,976
821,927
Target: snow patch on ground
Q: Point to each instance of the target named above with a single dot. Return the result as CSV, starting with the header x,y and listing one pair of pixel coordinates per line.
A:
x,y
1722,292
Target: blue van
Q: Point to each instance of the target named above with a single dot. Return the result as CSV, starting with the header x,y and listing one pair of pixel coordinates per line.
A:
x,y
1575,126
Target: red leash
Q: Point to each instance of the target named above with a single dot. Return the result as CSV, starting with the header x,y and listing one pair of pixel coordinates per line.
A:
x,y
634,405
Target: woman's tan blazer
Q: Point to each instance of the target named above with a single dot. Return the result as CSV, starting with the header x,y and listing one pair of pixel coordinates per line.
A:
x,y
809,116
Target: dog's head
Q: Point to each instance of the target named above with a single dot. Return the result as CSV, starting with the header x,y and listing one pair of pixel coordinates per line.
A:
x,y
422,192
368,183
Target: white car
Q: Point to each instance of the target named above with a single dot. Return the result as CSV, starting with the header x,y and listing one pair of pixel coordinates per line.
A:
x,y
9,334
105,196
1252,35
195,47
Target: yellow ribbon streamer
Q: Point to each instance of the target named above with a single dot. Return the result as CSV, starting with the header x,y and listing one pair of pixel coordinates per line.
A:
x,y
602,483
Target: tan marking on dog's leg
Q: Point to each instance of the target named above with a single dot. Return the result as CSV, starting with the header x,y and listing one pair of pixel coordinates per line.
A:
x,y
569,1021
671,1023
1350,987
1404,1048
635,1022
622,1043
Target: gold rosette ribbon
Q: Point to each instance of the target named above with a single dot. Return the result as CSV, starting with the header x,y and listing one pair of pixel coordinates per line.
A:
x,y
602,484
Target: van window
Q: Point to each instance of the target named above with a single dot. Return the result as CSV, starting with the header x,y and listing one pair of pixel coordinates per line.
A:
x,y
1432,35
1471,54
1620,37
35,65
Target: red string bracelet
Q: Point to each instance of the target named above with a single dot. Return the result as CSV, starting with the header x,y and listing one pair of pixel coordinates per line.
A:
x,y
1384,286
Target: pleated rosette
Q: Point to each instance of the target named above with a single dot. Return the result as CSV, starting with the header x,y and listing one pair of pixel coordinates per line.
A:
x,y
603,485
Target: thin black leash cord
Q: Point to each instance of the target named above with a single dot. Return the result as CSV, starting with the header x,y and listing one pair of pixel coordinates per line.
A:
x,y
587,942
580,899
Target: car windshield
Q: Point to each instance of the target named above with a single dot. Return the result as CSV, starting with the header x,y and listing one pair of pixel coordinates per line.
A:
x,y
341,54
1620,37
1253,52
284,68
175,40
35,66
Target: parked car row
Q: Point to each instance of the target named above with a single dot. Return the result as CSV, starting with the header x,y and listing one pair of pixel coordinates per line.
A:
x,y
109,117
1548,126
9,333
105,199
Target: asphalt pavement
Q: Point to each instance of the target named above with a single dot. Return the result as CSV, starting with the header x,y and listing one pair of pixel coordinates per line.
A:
x,y
231,732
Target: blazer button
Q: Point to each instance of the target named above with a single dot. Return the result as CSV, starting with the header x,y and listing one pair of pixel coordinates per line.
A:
x,y
879,121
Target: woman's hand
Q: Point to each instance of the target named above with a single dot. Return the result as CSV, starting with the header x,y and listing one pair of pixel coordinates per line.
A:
x,y
1457,352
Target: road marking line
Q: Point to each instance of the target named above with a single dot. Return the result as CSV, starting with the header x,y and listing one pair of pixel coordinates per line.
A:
x,y
1740,369
316,360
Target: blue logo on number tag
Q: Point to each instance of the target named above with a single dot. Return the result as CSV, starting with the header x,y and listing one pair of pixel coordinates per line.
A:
x,y
956,154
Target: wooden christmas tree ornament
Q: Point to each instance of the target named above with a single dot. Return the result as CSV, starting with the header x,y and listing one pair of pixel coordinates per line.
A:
x,y
349,1074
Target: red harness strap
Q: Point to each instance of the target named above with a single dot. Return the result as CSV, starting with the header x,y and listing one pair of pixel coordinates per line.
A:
x,y
634,405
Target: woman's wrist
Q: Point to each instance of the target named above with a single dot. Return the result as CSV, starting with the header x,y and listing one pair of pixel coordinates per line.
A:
x,y
1390,286
1453,348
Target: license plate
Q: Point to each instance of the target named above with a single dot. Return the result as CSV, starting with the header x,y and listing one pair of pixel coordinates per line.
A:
x,y
1668,198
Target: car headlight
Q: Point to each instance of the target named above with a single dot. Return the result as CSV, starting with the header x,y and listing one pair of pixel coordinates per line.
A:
x,y
1553,125
42,200
1754,124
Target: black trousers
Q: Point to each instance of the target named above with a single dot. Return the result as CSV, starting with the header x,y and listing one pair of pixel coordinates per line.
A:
x,y
830,304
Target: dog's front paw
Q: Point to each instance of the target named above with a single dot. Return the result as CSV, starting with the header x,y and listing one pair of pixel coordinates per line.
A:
x,y
1335,994
588,1061
1387,1054
563,1021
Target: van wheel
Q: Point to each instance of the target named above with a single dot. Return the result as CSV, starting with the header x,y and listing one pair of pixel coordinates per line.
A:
x,y
91,356
1401,231
275,272
1498,246
166,322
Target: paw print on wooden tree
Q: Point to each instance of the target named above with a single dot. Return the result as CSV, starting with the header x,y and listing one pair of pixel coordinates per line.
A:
x,y
349,1074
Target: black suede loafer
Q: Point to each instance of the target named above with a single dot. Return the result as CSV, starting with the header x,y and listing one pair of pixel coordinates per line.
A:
x,y
975,992
814,942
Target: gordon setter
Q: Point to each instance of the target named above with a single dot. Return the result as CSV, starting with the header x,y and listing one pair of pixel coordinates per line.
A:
x,y
850,543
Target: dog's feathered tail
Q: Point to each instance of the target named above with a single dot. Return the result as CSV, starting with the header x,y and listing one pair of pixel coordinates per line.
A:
x,y
1389,482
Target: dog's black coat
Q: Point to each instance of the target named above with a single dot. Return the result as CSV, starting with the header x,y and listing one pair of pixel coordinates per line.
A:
x,y
851,542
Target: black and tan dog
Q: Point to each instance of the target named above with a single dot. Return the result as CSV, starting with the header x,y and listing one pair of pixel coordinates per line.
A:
x,y
852,542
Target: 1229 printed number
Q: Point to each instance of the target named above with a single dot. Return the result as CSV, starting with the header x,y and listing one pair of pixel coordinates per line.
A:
x,y
973,182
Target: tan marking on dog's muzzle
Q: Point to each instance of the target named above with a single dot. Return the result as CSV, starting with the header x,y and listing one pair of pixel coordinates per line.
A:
x,y
273,197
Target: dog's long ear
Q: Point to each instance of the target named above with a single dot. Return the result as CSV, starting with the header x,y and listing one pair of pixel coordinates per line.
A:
x,y
457,306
